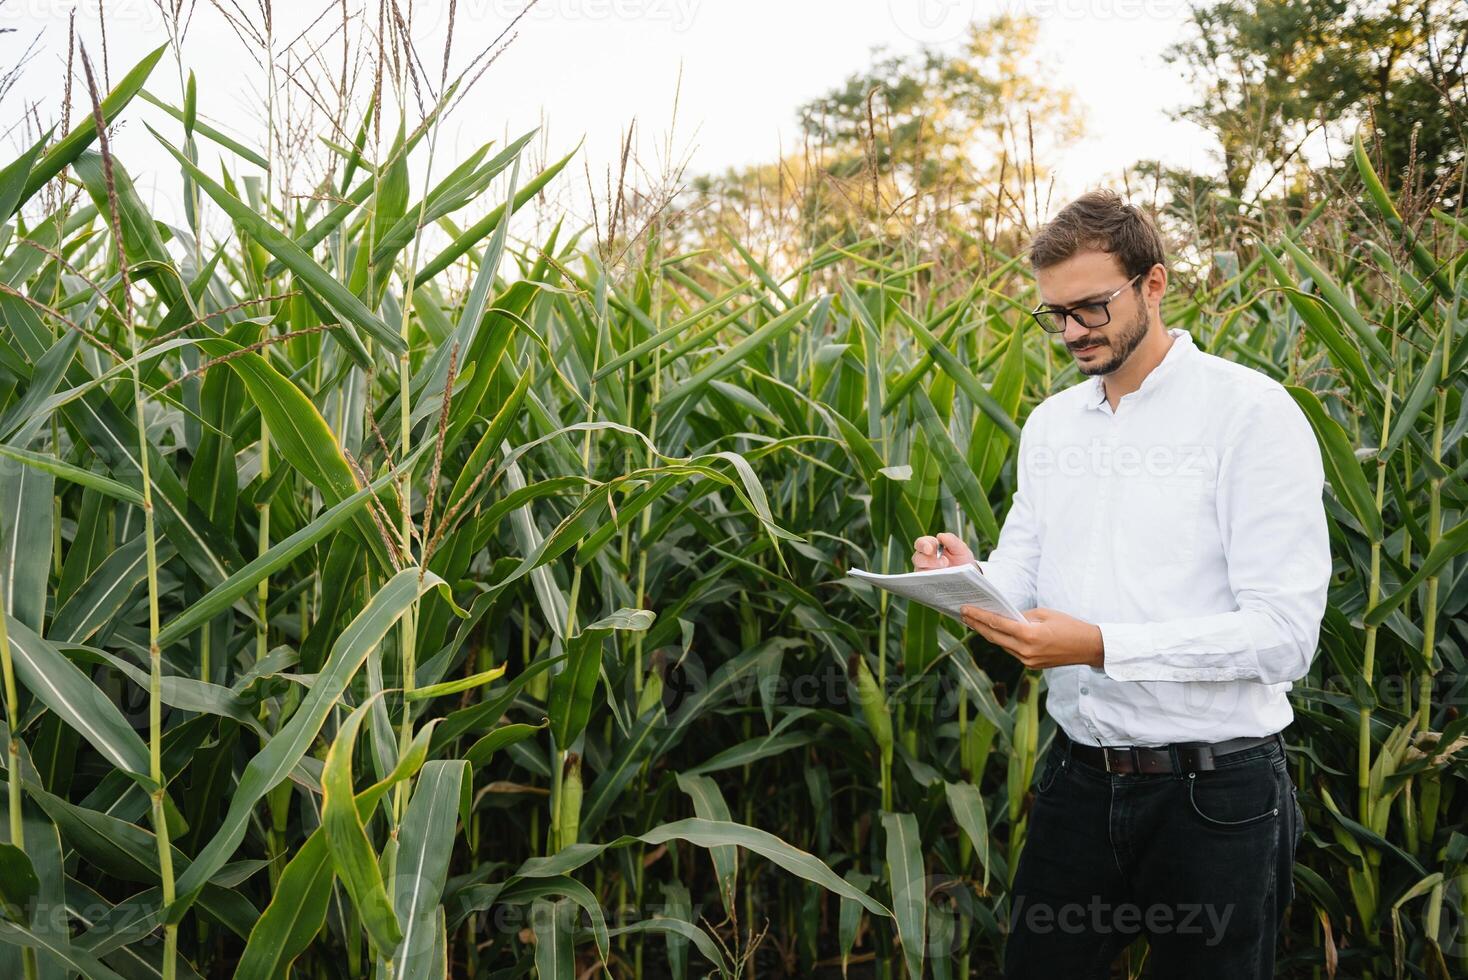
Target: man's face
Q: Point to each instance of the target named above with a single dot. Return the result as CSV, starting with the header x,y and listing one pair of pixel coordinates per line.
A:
x,y
1092,276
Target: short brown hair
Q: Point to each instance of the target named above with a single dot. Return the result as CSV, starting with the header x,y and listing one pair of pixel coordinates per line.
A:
x,y
1099,220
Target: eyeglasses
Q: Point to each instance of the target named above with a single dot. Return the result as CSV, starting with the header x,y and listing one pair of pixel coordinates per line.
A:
x,y
1089,315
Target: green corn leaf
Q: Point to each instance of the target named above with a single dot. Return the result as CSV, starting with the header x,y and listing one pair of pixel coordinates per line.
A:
x,y
1336,296
729,359
1341,465
686,930
58,684
477,898
184,693
146,253
26,517
751,751
346,839
574,687
304,438
1322,327
1453,543
554,925
1376,192
711,833
74,474
481,716
27,414
987,448
850,915
967,804
297,910
454,192
280,755
954,468
615,776
106,590
426,843
277,558
487,225
296,913
76,959
962,377
454,686
204,129
1413,408
13,176
130,853
335,295
64,153
909,894
18,881
708,804
502,737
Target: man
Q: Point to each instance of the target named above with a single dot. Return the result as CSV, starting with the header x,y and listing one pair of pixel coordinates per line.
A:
x,y
1168,529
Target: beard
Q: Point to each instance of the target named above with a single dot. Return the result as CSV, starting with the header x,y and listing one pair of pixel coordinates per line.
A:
x,y
1121,347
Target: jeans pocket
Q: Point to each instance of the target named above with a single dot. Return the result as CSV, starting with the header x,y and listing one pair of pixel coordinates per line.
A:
x,y
1299,815
1299,833
1054,762
1235,796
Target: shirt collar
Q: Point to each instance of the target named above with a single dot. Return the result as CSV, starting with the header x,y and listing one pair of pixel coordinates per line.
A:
x,y
1181,349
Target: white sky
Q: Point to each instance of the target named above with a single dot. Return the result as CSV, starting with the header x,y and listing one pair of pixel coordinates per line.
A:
x,y
588,67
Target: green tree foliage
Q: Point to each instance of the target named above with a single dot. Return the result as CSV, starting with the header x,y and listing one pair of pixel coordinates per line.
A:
x,y
939,145
1271,75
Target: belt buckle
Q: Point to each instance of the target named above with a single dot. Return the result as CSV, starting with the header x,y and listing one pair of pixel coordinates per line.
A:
x,y
1130,752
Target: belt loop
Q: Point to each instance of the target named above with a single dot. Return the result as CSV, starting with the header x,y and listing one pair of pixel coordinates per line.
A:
x,y
1177,762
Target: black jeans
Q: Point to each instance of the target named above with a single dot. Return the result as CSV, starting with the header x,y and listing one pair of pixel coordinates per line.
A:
x,y
1202,863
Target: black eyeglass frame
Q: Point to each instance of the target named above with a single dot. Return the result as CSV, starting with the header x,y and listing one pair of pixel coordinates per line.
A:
x,y
1068,312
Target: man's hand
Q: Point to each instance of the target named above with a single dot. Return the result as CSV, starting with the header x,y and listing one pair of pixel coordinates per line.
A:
x,y
1048,638
925,551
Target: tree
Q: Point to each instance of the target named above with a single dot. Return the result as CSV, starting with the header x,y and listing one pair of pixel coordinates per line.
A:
x,y
1272,75
937,148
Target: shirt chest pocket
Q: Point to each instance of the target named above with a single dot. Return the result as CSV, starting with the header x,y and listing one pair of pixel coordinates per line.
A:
x,y
1159,519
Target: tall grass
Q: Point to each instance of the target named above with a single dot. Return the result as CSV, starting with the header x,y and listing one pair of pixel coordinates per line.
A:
x,y
355,622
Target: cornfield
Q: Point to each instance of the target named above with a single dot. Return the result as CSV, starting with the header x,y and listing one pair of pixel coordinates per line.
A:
x,y
356,623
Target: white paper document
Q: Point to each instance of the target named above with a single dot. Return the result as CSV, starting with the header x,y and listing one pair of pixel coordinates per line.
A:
x,y
944,589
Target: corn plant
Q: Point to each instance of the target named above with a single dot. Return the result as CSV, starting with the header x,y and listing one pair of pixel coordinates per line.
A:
x,y
386,594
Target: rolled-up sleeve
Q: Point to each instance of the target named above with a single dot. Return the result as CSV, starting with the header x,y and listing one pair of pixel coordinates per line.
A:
x,y
1272,520
1014,562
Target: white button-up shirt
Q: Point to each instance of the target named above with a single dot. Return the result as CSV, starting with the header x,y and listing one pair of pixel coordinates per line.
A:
x,y
1188,525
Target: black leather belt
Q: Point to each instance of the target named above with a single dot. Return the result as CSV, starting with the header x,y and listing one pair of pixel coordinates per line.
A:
x,y
1190,756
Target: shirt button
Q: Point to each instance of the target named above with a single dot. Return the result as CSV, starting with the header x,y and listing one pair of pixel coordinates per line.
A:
x,y
1085,690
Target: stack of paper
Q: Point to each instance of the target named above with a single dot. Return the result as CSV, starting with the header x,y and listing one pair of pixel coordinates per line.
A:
x,y
944,589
